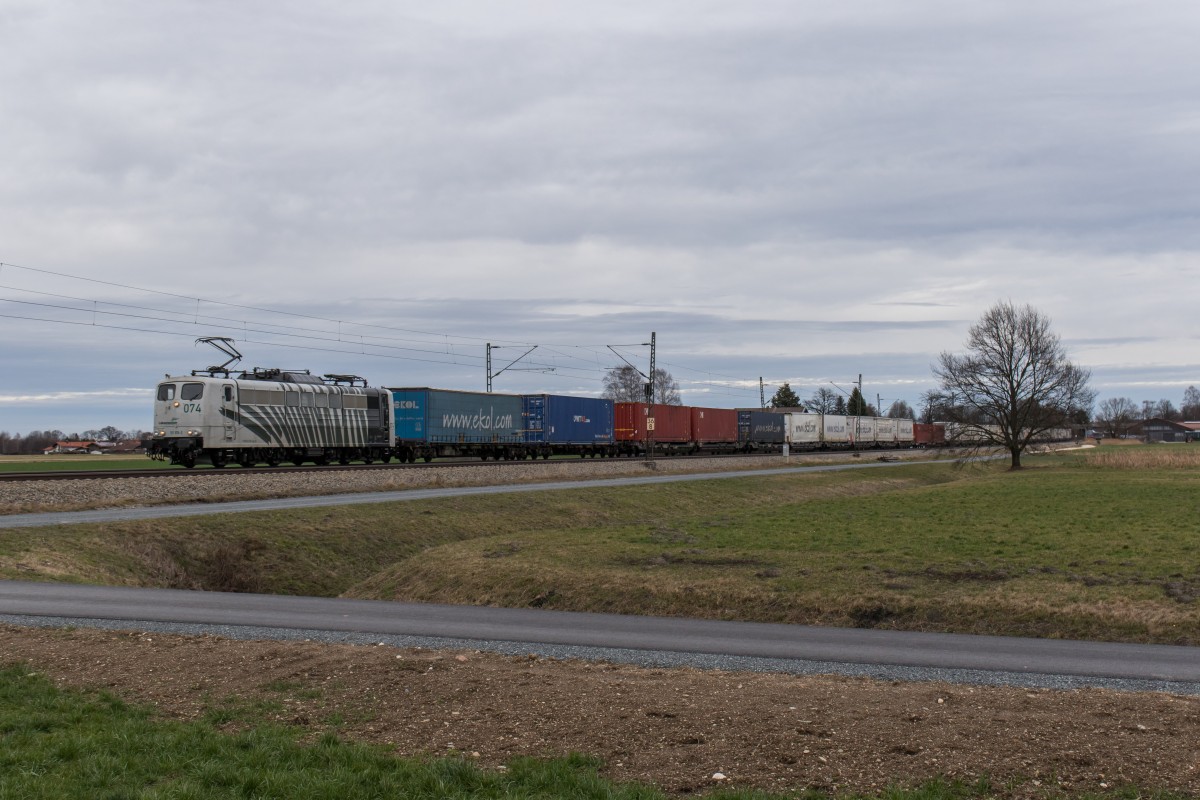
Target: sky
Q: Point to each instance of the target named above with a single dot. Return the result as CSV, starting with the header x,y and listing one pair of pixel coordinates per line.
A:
x,y
794,191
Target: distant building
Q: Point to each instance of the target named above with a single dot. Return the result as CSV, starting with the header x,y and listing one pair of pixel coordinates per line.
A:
x,y
1164,430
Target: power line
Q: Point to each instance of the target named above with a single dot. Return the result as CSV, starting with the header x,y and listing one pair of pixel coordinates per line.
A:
x,y
587,366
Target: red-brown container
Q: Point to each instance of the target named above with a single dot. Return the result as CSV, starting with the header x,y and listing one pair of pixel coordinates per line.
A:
x,y
671,423
928,435
714,425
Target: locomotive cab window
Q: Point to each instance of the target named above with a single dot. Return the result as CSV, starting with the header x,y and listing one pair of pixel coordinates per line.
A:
x,y
166,391
228,393
191,391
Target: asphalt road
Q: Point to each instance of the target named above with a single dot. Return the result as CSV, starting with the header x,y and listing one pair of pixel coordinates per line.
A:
x,y
1088,663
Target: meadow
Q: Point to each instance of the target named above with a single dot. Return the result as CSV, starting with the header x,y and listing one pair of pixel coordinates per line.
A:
x,y
1091,544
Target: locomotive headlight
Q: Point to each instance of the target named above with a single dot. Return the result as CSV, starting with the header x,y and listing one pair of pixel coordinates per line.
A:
x,y
176,404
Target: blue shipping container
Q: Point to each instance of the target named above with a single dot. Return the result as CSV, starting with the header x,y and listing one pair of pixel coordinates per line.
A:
x,y
557,419
442,416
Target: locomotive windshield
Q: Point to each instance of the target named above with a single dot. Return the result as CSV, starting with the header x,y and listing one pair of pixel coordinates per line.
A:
x,y
166,391
191,391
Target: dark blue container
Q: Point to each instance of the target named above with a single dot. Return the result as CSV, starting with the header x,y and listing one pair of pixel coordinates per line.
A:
x,y
559,419
443,416
762,427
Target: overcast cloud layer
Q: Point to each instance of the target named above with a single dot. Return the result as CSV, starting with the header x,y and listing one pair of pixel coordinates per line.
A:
x,y
779,189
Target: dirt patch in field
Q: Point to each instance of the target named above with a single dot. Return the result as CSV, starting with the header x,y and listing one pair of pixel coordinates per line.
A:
x,y
672,728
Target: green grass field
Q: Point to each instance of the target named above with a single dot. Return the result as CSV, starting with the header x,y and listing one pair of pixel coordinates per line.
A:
x,y
78,463
1098,544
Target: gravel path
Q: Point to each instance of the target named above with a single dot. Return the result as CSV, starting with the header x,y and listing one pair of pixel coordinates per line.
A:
x,y
656,659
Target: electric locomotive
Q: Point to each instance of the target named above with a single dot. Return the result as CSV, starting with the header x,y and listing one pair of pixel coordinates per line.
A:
x,y
268,416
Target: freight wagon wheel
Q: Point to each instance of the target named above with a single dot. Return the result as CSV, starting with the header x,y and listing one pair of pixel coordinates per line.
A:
x,y
427,459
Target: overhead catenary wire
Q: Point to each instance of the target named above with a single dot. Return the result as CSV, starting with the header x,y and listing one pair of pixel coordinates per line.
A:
x,y
569,361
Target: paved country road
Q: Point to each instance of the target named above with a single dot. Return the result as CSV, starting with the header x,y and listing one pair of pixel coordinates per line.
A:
x,y
651,640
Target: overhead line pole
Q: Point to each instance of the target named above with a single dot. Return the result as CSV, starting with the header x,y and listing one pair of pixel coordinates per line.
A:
x,y
650,401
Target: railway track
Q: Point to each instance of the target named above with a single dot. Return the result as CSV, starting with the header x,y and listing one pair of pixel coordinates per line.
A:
x,y
203,471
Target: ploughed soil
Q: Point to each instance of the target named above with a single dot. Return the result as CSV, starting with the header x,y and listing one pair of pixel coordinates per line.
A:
x,y
673,728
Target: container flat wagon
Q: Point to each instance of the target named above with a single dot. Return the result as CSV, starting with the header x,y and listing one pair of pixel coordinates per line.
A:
x,y
804,431
672,431
563,425
835,431
441,422
862,432
714,430
928,435
885,432
761,431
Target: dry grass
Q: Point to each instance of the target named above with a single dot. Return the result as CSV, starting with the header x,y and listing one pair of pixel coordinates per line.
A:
x,y
1162,456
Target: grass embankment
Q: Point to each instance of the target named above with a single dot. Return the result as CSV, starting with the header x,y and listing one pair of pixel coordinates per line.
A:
x,y
1097,544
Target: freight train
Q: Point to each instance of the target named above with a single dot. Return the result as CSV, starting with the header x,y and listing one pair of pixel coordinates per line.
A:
x,y
272,416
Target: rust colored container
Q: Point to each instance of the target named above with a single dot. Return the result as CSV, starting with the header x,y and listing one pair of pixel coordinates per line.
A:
x,y
671,423
928,435
714,425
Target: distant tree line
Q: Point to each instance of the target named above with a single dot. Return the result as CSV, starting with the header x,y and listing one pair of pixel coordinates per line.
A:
x,y
36,441
827,401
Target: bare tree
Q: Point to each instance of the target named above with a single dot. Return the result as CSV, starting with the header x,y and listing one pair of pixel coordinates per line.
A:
x,y
900,410
625,384
823,401
1014,383
1190,409
1165,409
1116,416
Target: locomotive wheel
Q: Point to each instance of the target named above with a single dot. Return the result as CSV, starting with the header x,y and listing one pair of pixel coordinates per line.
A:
x,y
274,458
427,459
188,459
246,459
218,459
